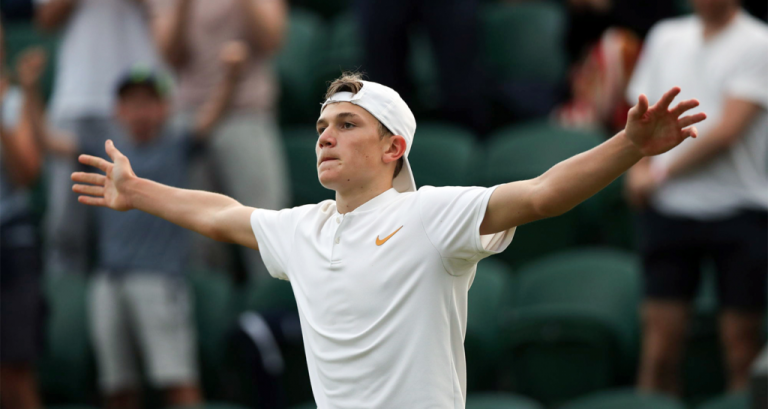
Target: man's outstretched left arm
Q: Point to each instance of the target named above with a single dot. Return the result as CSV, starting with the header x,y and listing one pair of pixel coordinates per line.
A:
x,y
650,131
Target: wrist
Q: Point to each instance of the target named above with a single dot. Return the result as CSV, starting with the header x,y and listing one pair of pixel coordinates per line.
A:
x,y
131,190
630,146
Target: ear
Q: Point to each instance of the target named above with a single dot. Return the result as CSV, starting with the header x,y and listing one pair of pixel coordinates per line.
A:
x,y
395,149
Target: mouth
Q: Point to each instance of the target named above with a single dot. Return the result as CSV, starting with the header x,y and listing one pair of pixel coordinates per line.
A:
x,y
324,160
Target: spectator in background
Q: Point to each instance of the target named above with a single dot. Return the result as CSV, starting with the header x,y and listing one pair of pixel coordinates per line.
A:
x,y
138,291
22,307
452,27
245,150
101,39
709,198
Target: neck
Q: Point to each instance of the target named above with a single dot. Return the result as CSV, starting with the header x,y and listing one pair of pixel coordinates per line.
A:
x,y
351,199
715,25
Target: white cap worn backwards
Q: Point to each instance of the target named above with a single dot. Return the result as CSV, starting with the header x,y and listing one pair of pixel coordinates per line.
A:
x,y
385,104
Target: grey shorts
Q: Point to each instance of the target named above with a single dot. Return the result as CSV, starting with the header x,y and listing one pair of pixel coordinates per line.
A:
x,y
142,316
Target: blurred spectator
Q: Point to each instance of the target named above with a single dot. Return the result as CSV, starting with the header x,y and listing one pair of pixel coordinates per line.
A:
x,y
101,39
452,28
138,291
599,83
245,151
707,199
22,307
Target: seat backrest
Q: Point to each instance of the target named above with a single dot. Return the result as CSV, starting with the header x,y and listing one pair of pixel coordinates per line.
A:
x,y
624,399
299,144
297,63
442,155
524,40
19,36
501,401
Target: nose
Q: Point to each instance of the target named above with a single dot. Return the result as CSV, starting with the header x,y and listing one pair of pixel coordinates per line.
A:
x,y
326,140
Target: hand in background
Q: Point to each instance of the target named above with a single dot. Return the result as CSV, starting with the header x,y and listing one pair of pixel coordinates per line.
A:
x,y
234,56
109,190
657,129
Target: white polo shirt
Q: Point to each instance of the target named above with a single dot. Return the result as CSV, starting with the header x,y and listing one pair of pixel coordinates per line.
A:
x,y
382,292
733,63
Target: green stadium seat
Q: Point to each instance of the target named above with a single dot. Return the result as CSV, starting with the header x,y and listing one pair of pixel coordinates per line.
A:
x,y
67,368
215,312
729,401
308,405
524,152
442,155
500,401
344,52
271,295
624,399
486,296
302,163
524,40
574,326
297,64
21,35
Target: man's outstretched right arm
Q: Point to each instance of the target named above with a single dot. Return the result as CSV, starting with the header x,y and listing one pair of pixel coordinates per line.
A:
x,y
210,214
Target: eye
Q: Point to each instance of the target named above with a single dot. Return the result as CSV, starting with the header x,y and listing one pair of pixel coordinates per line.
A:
x,y
347,125
320,131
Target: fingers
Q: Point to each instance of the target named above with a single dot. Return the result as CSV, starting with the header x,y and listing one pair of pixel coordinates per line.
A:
x,y
641,108
684,106
689,120
88,190
691,132
92,201
667,98
99,163
111,150
92,178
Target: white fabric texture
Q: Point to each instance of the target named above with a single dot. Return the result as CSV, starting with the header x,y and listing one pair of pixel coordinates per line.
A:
x,y
732,64
382,292
386,105
101,40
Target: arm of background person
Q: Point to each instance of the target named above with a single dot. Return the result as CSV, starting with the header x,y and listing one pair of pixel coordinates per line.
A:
x,y
266,24
738,115
52,14
213,215
649,131
233,57
169,28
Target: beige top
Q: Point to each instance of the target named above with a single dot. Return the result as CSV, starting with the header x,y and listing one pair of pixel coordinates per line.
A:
x,y
213,23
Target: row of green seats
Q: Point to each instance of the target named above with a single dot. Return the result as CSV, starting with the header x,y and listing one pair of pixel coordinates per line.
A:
x,y
520,41
619,399
446,155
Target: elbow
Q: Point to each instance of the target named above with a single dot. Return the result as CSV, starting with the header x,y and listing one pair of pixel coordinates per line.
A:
x,y
546,202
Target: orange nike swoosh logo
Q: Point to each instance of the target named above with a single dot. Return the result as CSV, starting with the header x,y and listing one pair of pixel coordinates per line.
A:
x,y
380,242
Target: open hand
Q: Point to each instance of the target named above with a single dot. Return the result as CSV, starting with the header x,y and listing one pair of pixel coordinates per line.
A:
x,y
657,129
107,190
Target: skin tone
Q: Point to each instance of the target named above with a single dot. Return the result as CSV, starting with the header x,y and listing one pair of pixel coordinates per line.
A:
x,y
665,322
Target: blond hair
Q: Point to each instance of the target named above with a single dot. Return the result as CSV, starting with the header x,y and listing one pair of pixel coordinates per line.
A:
x,y
353,82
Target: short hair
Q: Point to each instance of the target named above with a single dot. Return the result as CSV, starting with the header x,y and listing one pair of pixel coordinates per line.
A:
x,y
351,81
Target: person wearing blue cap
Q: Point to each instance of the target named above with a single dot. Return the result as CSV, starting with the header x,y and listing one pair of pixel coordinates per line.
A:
x,y
381,274
137,291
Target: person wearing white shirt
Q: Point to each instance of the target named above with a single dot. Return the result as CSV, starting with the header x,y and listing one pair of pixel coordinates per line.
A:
x,y
100,40
706,200
381,274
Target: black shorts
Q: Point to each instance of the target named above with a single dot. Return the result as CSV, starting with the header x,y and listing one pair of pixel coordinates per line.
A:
x,y
674,249
22,306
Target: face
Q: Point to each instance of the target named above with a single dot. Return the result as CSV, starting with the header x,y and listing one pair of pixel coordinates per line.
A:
x,y
142,112
351,154
714,10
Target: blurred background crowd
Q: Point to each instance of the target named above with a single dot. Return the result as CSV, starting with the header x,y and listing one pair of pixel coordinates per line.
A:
x,y
652,294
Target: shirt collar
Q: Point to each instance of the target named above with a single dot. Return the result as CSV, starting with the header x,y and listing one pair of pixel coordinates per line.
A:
x,y
380,200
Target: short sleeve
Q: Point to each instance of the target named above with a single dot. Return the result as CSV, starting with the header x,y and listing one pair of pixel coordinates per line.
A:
x,y
750,79
274,231
452,217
